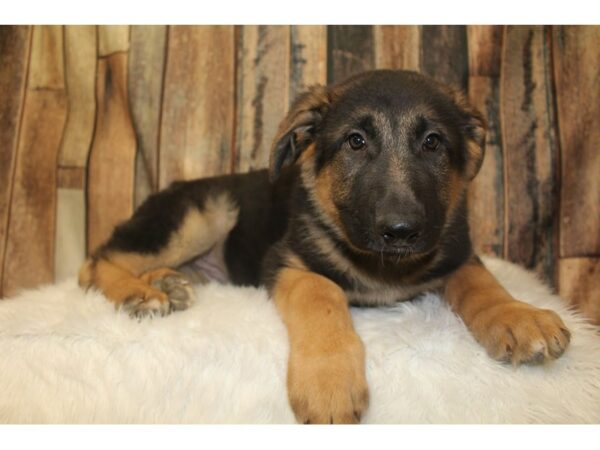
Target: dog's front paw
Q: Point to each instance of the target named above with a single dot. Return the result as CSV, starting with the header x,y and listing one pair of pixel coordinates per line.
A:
x,y
174,285
519,333
328,387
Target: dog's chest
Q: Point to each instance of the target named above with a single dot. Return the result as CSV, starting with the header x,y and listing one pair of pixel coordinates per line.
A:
x,y
385,295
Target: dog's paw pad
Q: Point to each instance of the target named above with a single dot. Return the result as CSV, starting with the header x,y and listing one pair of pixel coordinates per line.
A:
x,y
177,288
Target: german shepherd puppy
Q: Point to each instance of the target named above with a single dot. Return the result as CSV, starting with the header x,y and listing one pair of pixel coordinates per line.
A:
x,y
364,203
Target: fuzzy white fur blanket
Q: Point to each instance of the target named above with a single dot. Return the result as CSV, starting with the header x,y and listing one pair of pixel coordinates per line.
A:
x,y
68,357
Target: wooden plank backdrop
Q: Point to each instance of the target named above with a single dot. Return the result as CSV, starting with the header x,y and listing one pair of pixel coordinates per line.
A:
x,y
95,119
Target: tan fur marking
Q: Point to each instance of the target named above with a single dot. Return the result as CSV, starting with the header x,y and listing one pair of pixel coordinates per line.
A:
x,y
326,373
119,285
307,154
294,262
456,189
323,191
509,330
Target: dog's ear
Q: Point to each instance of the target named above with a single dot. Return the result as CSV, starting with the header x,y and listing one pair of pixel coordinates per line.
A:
x,y
299,128
474,131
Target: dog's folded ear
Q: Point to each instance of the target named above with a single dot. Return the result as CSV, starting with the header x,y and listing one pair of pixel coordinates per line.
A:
x,y
474,131
298,130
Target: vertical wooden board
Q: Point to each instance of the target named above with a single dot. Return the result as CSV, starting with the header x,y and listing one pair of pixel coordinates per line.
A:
x,y
46,69
30,234
308,58
69,244
80,75
112,39
14,54
398,47
485,49
530,153
486,193
112,159
579,282
576,63
146,69
70,233
444,54
351,50
198,107
263,92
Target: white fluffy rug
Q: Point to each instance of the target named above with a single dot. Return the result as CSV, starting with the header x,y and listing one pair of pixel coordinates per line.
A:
x,y
68,357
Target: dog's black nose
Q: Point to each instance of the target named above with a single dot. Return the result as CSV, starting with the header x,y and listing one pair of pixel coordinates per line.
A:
x,y
402,233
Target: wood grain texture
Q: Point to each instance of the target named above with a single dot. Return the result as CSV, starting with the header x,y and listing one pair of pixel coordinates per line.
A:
x,y
579,283
146,68
530,152
308,57
485,49
30,244
46,69
576,63
486,193
80,47
71,177
398,47
112,160
112,39
444,54
351,50
80,74
14,54
198,108
263,92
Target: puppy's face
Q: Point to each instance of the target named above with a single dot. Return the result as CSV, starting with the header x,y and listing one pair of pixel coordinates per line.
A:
x,y
391,155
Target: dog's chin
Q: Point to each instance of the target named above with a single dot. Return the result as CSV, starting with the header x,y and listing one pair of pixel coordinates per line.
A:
x,y
394,252
398,252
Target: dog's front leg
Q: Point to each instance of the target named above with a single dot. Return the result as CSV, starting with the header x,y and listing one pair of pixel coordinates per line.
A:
x,y
508,329
326,368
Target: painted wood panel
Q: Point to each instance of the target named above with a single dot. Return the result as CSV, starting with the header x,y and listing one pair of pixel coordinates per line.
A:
x,y
444,54
112,159
530,153
112,39
577,74
14,53
80,43
30,235
398,47
351,50
486,193
145,82
578,281
198,107
308,58
80,47
263,92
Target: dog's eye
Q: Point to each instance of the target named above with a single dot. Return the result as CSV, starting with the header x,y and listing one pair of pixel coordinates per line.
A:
x,y
431,142
356,141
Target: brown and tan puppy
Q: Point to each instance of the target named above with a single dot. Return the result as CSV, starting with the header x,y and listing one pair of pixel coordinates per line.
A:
x,y
364,203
